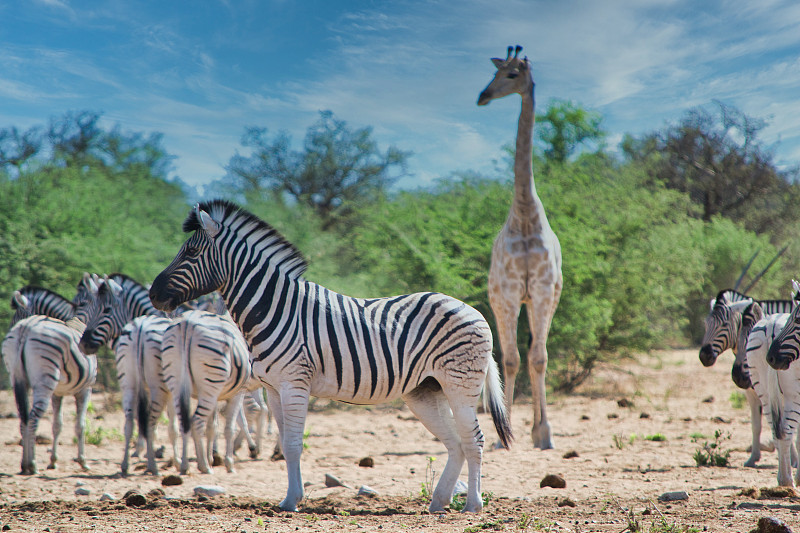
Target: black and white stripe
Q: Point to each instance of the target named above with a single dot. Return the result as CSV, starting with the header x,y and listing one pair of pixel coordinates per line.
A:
x,y
41,353
205,356
123,317
432,350
777,390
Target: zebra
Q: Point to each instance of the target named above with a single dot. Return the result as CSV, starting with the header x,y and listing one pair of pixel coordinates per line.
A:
x,y
723,328
204,355
124,318
431,350
41,353
778,389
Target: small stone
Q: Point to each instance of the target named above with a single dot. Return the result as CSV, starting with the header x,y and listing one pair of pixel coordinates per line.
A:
x,y
216,459
644,415
770,524
6,527
708,399
570,454
140,467
155,494
333,481
367,462
566,502
612,415
585,417
209,491
364,490
134,498
676,496
554,481
171,480
159,453
720,420
624,402
83,491
460,488
106,497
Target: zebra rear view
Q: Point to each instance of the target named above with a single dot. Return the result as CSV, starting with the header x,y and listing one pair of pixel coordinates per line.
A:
x,y
41,353
431,350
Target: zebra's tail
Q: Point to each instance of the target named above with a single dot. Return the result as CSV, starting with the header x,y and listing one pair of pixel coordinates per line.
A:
x,y
21,396
775,403
185,394
494,402
143,411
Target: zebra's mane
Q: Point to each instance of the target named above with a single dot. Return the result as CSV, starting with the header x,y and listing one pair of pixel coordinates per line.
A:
x,y
230,215
730,296
35,292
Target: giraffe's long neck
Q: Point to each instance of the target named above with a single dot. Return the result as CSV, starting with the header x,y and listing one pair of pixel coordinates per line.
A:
x,y
526,210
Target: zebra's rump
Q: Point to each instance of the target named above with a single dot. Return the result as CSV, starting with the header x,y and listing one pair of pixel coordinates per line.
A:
x,y
48,348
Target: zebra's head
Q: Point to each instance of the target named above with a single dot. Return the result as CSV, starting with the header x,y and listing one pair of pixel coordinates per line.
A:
x,y
197,269
722,328
104,321
785,349
86,298
740,373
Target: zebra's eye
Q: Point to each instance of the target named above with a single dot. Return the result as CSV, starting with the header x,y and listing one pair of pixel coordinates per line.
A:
x,y
107,310
513,74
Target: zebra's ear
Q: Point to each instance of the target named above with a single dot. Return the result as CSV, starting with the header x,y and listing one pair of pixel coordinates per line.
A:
x,y
795,289
113,286
210,225
712,303
91,282
19,301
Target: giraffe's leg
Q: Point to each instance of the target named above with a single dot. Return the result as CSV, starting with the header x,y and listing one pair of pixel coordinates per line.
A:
x,y
506,313
540,311
430,406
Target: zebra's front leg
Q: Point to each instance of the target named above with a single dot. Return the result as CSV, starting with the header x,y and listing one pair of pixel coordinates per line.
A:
x,y
290,414
57,402
81,407
755,425
784,446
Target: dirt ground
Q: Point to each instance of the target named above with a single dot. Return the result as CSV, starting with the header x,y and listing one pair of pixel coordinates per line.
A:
x,y
606,450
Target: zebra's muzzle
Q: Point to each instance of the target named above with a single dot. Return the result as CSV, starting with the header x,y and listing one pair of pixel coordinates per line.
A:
x,y
776,359
741,377
707,355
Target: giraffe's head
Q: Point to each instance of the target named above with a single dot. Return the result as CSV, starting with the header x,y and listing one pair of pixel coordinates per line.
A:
x,y
513,76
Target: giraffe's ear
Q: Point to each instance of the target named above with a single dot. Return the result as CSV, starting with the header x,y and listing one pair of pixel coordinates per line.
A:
x,y
498,62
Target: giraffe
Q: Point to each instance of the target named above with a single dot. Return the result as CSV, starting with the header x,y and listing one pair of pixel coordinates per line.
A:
x,y
526,255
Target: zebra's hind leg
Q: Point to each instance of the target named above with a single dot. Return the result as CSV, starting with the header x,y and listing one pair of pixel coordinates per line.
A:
x,y
233,410
430,406
755,426
466,419
81,406
203,432
57,424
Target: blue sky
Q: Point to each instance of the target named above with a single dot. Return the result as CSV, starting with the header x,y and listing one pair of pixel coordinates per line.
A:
x,y
200,72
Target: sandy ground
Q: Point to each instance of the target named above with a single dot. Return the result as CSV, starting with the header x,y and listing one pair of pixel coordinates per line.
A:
x,y
614,475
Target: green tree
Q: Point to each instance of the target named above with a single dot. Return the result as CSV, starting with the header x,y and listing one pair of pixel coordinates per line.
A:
x,y
717,159
565,126
337,168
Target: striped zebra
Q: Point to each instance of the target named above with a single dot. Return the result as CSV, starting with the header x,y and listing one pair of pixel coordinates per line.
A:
x,y
205,356
723,329
41,353
429,349
124,318
778,390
